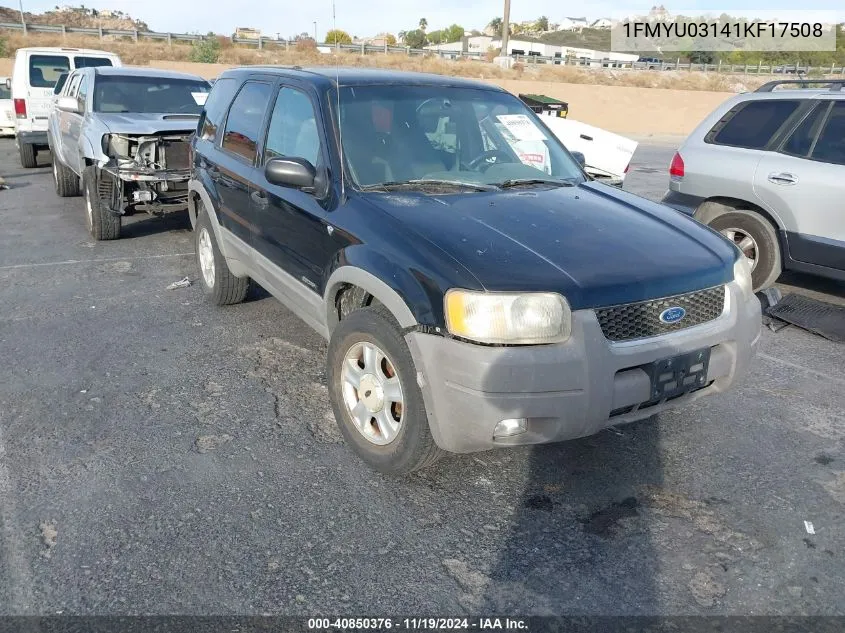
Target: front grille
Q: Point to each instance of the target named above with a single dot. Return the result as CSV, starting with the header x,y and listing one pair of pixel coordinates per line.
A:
x,y
640,320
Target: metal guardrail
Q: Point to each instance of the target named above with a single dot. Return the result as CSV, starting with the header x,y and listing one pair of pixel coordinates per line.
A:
x,y
101,33
368,49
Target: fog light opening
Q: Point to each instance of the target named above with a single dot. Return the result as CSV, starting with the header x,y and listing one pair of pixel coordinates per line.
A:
x,y
510,427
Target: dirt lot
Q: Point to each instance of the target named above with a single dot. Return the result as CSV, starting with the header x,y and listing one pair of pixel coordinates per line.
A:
x,y
158,455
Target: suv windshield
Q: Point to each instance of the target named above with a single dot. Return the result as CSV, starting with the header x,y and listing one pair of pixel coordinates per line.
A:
x,y
396,134
116,93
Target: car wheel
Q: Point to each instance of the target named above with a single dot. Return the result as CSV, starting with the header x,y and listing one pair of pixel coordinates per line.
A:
x,y
66,182
102,223
28,156
756,238
374,393
218,282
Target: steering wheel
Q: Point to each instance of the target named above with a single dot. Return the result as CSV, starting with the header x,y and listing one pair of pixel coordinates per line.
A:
x,y
479,161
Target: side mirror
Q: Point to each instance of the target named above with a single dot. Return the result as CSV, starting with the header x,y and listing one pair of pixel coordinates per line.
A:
x,y
579,158
68,104
290,172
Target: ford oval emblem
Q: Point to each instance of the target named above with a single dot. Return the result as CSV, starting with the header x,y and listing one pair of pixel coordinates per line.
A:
x,y
672,315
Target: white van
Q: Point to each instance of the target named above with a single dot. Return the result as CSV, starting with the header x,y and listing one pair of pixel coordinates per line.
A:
x,y
7,110
35,74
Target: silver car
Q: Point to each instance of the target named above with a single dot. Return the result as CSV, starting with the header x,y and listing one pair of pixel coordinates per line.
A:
x,y
767,170
121,137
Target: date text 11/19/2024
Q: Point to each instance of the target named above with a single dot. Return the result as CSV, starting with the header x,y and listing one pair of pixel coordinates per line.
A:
x,y
417,624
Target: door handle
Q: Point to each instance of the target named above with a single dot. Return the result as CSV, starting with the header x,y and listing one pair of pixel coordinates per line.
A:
x,y
782,178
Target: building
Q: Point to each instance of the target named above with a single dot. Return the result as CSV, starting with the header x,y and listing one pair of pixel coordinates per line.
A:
x,y
573,24
247,33
602,23
471,44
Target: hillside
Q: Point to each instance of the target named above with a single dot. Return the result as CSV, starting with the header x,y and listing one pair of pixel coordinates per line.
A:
x,y
595,39
77,16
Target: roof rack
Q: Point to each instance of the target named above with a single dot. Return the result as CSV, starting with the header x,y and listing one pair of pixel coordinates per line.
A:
x,y
835,84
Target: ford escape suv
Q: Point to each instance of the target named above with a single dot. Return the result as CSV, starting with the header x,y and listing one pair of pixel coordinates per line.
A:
x,y
766,169
470,300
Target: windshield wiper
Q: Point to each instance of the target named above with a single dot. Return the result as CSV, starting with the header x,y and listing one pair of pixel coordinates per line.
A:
x,y
425,182
519,182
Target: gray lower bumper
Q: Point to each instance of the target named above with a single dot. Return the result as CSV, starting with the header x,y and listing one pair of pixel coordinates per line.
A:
x,y
569,390
682,202
32,138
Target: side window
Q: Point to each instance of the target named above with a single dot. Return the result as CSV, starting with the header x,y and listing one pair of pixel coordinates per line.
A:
x,y
72,85
82,96
752,124
293,128
830,147
60,84
801,140
245,118
215,107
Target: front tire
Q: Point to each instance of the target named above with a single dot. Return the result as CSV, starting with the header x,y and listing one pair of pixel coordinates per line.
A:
x,y
29,157
757,240
374,393
218,282
66,182
102,223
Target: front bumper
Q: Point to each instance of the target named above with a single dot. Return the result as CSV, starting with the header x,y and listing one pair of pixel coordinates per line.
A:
x,y
568,390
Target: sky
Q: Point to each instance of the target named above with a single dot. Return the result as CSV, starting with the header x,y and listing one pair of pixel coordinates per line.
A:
x,y
368,17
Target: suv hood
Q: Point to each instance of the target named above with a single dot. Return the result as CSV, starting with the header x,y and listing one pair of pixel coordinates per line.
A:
x,y
134,123
595,245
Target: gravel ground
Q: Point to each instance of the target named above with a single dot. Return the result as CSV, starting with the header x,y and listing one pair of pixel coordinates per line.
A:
x,y
162,456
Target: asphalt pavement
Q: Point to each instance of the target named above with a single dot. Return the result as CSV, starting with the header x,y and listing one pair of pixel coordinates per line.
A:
x,y
159,455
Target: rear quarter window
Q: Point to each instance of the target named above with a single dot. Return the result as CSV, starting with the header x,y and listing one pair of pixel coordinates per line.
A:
x,y
752,124
216,105
45,70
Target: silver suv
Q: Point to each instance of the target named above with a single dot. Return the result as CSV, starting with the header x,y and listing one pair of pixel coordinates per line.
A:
x,y
767,170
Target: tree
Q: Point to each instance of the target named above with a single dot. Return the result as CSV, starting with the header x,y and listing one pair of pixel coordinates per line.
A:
x,y
402,35
454,33
701,57
436,37
496,25
543,24
336,36
423,24
390,39
415,38
205,51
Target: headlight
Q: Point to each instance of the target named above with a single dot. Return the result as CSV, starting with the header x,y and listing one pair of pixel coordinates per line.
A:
x,y
115,146
505,318
742,275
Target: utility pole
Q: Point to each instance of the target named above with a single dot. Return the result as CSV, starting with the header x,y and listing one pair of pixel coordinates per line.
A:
x,y
506,27
315,30
20,4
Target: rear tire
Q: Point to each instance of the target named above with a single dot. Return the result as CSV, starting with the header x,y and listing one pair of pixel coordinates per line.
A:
x,y
102,223
29,157
66,182
407,445
739,224
218,282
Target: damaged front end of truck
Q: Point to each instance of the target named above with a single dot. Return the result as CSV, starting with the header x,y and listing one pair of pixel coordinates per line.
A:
x,y
145,172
